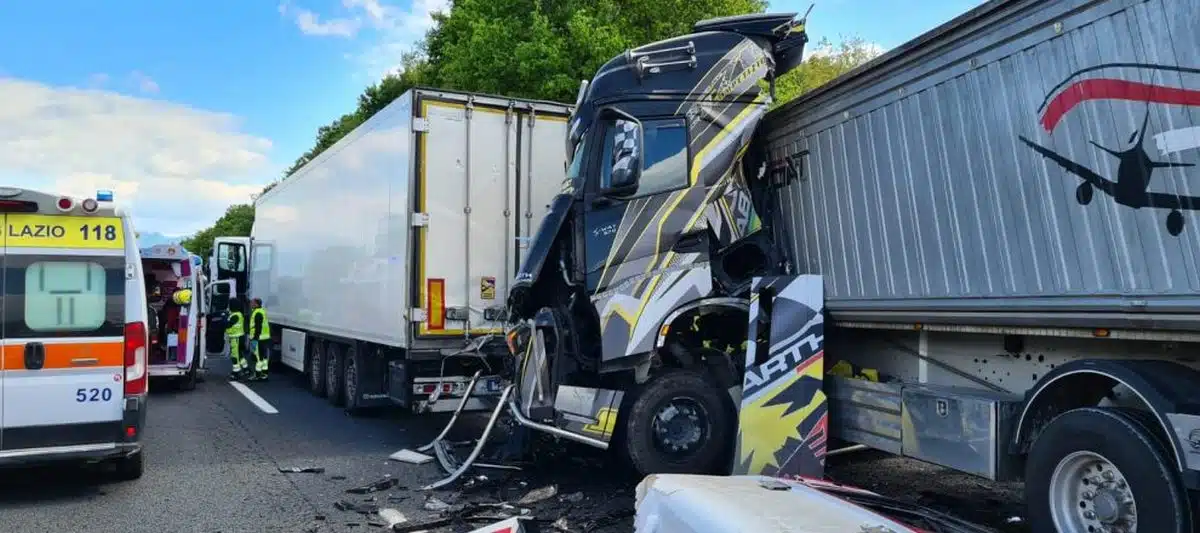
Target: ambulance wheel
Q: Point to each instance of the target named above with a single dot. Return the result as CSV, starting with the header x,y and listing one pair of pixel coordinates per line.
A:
x,y
1098,469
335,374
680,423
188,381
316,368
129,468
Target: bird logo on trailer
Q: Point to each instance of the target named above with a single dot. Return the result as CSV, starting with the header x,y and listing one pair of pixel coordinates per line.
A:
x,y
1157,84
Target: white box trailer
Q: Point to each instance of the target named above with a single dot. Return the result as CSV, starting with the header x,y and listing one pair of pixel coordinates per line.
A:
x,y
395,247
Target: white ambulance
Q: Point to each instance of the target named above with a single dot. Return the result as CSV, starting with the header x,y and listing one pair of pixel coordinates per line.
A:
x,y
174,292
73,377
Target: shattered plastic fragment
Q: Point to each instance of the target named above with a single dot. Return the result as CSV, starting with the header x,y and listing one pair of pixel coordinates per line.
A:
x,y
302,469
574,497
434,504
561,524
537,495
392,517
411,457
383,484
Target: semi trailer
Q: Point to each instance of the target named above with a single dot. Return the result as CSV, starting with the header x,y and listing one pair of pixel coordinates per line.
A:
x,y
383,262
974,251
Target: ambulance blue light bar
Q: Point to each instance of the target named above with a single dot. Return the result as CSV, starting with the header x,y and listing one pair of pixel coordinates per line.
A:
x,y
104,196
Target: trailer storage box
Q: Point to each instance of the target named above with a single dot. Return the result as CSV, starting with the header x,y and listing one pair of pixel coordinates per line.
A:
x,y
1026,164
409,229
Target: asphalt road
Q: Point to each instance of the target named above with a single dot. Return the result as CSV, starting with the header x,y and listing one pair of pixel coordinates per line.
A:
x,y
213,460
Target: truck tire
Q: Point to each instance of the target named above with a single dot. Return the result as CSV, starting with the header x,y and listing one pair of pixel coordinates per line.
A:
x,y
350,381
1089,464
129,468
679,422
316,368
335,374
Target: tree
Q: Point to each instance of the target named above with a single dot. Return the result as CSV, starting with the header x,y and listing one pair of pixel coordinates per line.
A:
x,y
236,222
823,64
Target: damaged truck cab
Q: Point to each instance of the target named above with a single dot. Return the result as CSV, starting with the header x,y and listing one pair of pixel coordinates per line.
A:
x,y
654,238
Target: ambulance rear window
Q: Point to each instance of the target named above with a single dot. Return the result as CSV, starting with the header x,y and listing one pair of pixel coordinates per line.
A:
x,y
65,296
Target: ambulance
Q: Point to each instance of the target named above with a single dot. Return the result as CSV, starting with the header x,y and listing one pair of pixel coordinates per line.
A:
x,y
73,372
174,290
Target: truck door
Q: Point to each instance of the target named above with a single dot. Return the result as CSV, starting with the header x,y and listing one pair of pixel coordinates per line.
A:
x,y
230,262
632,228
63,330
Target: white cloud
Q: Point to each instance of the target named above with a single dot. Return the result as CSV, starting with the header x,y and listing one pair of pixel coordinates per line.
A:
x,y
144,83
98,80
393,29
174,167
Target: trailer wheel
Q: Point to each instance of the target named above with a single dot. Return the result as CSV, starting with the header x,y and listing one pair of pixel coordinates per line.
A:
x,y
335,375
1097,469
350,381
316,368
679,422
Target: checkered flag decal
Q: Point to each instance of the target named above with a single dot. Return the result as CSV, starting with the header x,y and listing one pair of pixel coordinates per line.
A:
x,y
625,138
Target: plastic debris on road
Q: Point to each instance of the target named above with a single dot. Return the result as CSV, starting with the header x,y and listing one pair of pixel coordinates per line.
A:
x,y
410,457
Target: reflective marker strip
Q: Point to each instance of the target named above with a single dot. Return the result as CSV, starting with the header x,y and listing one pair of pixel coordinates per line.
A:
x,y
68,355
436,305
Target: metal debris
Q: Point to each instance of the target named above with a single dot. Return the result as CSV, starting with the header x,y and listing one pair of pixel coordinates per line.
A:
x,y
302,469
361,508
574,497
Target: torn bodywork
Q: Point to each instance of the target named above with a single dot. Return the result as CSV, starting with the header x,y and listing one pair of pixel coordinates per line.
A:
x,y
629,313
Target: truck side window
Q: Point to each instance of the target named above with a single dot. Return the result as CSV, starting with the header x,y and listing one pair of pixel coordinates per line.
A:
x,y
665,159
231,257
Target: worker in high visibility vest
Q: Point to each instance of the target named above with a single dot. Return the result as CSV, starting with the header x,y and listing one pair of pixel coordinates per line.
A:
x,y
235,334
260,339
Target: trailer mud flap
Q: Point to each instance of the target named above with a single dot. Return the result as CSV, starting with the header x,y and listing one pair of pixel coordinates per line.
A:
x,y
783,417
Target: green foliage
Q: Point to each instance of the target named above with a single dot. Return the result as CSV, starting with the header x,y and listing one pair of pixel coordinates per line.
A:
x,y
537,49
236,222
825,62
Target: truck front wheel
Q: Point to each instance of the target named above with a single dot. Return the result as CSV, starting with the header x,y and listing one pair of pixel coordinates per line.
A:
x,y
680,422
1097,469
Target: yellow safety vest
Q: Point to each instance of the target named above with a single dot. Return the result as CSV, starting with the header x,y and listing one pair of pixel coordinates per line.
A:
x,y
266,324
235,327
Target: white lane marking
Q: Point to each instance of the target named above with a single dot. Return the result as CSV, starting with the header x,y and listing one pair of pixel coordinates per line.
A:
x,y
255,399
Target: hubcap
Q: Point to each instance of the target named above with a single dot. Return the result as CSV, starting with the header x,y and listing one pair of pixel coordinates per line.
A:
x,y
680,426
1089,494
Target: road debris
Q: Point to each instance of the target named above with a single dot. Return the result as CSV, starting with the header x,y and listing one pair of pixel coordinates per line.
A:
x,y
537,495
302,469
410,457
391,517
386,483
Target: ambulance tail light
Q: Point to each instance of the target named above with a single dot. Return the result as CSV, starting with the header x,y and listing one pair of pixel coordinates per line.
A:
x,y
18,206
135,358
89,205
65,204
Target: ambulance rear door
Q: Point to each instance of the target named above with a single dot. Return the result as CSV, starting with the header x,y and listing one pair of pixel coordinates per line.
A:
x,y
63,327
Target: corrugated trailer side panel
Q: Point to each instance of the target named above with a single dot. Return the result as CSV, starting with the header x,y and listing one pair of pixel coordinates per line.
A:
x,y
990,169
339,228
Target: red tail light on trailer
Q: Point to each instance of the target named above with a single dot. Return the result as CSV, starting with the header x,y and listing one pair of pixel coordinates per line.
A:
x,y
135,359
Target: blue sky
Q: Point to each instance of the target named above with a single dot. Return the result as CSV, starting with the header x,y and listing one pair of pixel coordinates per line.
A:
x,y
186,107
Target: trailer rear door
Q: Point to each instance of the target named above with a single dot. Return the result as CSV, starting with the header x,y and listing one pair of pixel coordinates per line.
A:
x,y
481,185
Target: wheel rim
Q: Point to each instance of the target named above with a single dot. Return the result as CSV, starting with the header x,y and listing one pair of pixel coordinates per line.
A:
x,y
680,426
1090,494
351,378
318,363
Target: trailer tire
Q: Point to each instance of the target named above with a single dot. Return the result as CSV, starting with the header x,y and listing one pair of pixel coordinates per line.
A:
x,y
335,374
708,426
350,381
1083,446
316,368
